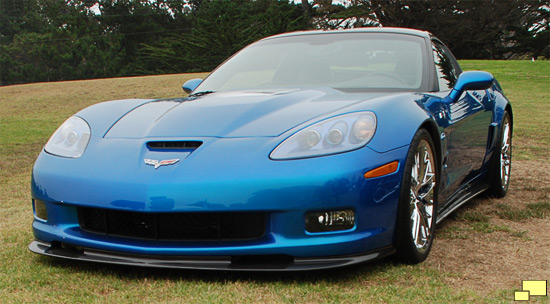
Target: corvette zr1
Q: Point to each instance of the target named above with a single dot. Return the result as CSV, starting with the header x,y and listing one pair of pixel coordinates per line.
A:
x,y
305,150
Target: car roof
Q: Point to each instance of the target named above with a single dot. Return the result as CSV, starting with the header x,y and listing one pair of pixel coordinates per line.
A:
x,y
391,30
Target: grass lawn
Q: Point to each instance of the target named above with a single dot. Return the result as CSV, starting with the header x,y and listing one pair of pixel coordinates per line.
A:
x,y
30,113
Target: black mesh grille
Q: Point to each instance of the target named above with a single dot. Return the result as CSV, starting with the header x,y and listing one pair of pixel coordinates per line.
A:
x,y
196,226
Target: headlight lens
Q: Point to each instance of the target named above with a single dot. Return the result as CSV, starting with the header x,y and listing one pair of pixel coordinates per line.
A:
x,y
70,139
334,135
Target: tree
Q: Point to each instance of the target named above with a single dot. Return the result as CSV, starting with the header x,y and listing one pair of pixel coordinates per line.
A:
x,y
65,42
473,29
219,29
49,40
135,22
532,35
337,16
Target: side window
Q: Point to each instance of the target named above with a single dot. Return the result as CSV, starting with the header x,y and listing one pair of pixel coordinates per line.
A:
x,y
446,69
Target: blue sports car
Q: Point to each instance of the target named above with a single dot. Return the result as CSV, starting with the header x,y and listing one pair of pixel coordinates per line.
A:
x,y
305,150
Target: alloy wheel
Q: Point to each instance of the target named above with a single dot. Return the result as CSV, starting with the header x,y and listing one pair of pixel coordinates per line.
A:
x,y
423,181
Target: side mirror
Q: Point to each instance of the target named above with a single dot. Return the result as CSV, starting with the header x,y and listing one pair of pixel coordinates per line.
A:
x,y
471,80
190,85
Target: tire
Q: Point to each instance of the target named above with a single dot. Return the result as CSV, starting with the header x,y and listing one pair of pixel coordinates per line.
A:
x,y
501,162
417,208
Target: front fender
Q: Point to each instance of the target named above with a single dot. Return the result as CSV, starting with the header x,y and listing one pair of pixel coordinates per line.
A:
x,y
501,104
398,121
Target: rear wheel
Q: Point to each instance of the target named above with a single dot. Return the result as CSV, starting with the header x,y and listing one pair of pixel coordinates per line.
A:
x,y
418,199
501,163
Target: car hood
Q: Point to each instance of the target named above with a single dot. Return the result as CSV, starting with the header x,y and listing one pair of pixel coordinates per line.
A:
x,y
232,114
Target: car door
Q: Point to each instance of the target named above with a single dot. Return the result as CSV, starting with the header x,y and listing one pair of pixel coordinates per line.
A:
x,y
469,119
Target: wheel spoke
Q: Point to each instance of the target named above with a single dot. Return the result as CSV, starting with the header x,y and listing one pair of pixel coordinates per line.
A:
x,y
415,173
415,218
422,224
505,155
426,188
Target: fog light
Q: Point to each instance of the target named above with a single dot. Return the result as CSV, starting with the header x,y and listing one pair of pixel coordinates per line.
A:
x,y
323,221
40,209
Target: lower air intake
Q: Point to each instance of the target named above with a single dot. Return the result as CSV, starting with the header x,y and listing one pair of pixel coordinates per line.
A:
x,y
191,226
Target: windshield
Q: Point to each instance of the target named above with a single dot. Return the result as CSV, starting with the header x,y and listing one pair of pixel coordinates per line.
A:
x,y
352,61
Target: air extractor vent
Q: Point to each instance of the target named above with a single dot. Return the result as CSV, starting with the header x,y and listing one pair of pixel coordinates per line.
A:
x,y
174,145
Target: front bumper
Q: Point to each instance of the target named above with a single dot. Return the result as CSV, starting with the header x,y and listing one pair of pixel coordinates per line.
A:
x,y
111,175
228,263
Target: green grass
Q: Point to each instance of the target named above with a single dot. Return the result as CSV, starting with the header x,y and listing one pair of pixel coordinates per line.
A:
x,y
540,210
474,216
479,221
30,113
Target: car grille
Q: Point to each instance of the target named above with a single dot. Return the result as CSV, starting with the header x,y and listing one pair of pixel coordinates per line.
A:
x,y
195,226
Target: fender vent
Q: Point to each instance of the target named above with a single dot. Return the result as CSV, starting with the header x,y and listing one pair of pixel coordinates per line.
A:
x,y
173,145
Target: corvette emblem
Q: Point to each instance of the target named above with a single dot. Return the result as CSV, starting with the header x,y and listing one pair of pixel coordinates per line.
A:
x,y
156,163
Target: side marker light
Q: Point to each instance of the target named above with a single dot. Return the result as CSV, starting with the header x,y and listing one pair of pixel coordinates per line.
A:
x,y
383,170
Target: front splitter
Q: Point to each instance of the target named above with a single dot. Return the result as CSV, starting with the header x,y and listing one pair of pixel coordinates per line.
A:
x,y
226,263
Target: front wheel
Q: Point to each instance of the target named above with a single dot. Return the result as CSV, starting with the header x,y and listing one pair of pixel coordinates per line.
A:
x,y
418,201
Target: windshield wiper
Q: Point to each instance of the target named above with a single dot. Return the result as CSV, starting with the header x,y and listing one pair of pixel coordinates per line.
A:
x,y
200,93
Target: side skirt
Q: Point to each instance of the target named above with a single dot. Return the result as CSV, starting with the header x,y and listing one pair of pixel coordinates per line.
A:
x,y
459,202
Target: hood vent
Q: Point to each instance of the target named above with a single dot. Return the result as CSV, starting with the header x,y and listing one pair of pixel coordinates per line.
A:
x,y
173,145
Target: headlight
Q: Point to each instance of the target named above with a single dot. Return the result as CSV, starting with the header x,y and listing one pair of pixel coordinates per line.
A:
x,y
334,135
70,139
